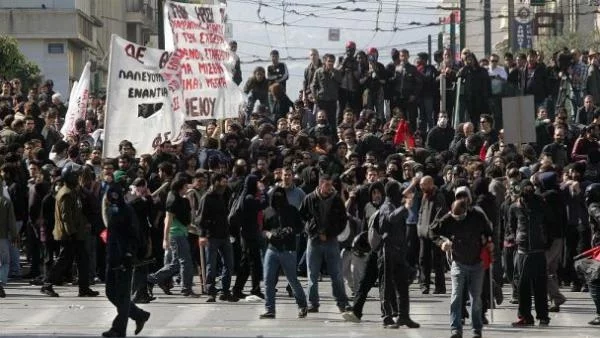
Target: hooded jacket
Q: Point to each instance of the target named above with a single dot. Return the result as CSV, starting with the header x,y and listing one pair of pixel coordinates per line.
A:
x,y
528,220
123,228
212,216
309,184
556,211
392,221
251,207
323,215
283,221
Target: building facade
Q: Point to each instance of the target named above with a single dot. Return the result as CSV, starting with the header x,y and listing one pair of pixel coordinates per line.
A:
x,y
62,35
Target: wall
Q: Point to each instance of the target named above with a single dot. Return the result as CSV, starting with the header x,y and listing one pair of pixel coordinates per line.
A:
x,y
53,66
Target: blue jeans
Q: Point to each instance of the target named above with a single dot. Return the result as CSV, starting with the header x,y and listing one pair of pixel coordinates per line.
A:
x,y
472,276
4,260
329,251
212,250
180,249
287,260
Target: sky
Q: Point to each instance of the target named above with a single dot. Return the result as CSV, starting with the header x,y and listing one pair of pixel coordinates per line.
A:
x,y
258,27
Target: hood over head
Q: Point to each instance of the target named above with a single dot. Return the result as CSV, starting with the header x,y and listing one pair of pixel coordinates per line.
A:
x,y
279,198
250,185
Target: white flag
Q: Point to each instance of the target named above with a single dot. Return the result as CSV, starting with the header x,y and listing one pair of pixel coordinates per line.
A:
x,y
199,83
78,102
138,105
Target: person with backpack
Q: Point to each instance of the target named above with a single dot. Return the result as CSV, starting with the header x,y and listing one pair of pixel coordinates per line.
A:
x,y
529,220
367,244
282,223
214,235
253,201
393,267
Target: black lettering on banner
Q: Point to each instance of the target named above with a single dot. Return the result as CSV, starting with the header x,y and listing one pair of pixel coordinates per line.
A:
x,y
164,58
140,76
204,14
136,53
147,93
200,106
178,11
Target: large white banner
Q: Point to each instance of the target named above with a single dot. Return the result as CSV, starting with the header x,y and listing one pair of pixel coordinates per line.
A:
x,y
78,102
199,83
138,105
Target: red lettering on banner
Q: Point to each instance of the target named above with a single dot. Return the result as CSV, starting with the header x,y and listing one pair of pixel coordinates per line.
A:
x,y
187,69
216,54
210,68
218,82
191,84
210,38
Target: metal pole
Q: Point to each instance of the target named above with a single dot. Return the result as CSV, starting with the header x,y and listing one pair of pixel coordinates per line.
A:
x,y
511,17
452,35
440,41
161,24
463,24
487,27
429,48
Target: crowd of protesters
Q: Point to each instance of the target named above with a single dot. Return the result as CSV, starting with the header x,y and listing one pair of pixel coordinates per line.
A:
x,y
361,177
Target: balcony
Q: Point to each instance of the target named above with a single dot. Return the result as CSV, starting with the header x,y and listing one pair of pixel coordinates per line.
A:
x,y
140,11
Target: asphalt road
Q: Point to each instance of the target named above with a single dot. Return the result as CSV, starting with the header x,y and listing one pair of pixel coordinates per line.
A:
x,y
27,313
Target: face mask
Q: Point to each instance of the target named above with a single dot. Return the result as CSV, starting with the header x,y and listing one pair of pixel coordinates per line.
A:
x,y
442,122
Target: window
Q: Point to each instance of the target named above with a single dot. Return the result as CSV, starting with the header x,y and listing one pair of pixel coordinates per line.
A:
x,y
56,48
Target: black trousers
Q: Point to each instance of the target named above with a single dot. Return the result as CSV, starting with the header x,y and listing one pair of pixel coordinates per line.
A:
x,y
34,249
70,250
348,99
366,284
532,277
50,249
508,260
250,265
118,292
430,258
393,284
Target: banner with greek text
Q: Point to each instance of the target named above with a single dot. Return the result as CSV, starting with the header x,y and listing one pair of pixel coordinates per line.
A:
x,y
199,84
78,102
138,104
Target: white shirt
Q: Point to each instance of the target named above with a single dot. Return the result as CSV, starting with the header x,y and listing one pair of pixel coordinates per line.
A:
x,y
499,72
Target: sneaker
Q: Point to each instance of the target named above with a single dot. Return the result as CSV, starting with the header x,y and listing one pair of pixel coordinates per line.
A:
x,y
522,322
36,281
595,321
544,322
303,312
228,297
456,335
350,316
409,323
258,294
166,287
267,315
139,324
389,323
2,293
439,292
211,299
239,295
143,299
313,309
476,334
425,291
190,293
88,293
345,308
49,291
484,320
554,308
112,333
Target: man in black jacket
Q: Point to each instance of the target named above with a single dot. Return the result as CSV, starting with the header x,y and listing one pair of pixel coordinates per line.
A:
x,y
405,86
393,268
282,222
440,136
463,233
214,236
325,216
528,219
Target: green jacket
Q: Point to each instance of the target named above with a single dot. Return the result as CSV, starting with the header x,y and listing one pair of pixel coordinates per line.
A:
x,y
68,216
8,222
